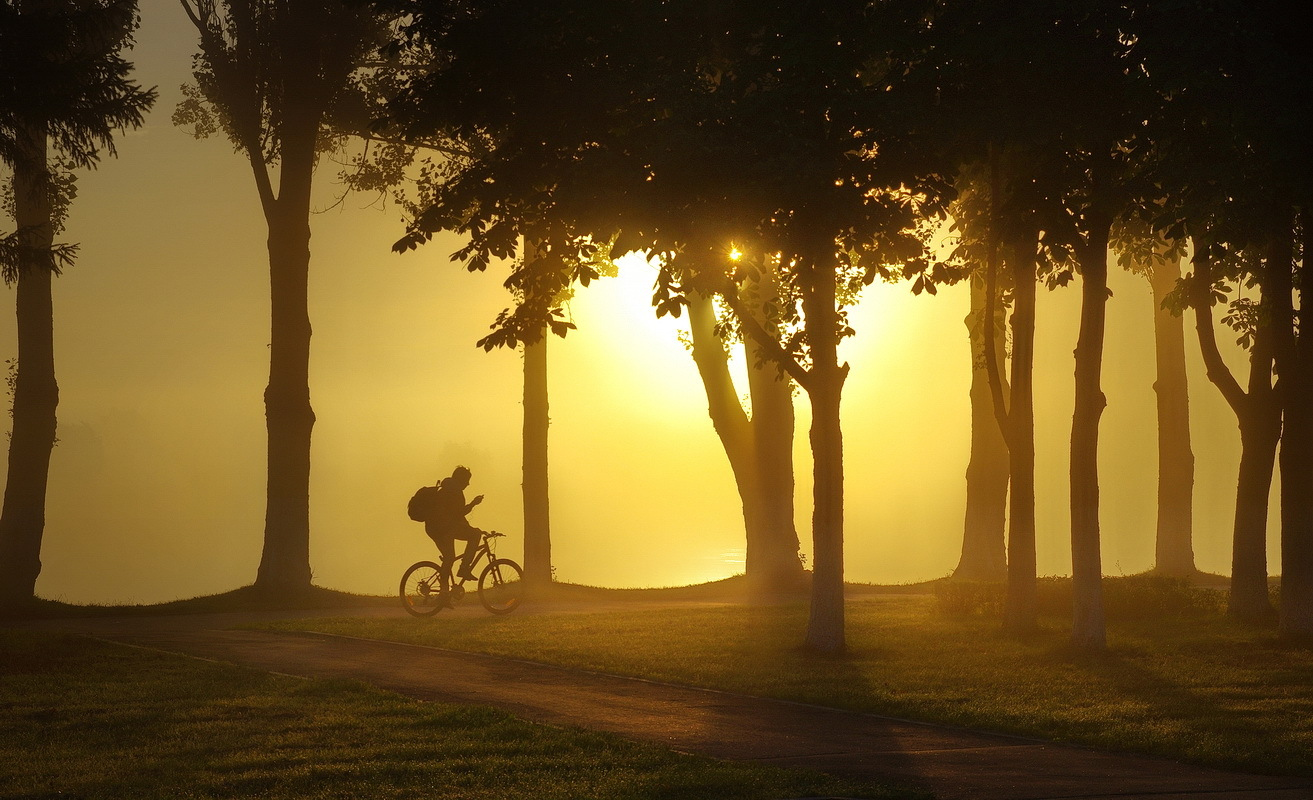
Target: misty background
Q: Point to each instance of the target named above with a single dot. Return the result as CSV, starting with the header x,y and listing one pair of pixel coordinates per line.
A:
x,y
157,483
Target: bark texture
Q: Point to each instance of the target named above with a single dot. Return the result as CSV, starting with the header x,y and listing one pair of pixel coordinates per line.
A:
x,y
1174,544
285,560
1016,244
984,548
36,393
1296,606
537,517
1088,624
273,72
759,449
1294,365
773,564
1260,430
1258,413
825,623
1020,614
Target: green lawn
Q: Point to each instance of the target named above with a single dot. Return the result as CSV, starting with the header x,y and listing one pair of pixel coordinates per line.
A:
x,y
87,719
1194,687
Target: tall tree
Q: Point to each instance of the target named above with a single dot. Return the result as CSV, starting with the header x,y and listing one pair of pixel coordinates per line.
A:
x,y
984,553
67,91
1103,161
1258,413
537,505
1293,360
540,283
1140,251
758,441
1174,544
274,73
1159,261
996,214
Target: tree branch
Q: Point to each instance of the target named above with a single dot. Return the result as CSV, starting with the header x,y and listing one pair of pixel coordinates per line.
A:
x,y
770,344
1202,299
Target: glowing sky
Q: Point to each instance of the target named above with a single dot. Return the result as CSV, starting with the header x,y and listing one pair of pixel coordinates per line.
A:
x,y
161,331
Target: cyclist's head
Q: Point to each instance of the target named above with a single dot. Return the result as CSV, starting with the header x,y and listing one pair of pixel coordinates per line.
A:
x,y
461,475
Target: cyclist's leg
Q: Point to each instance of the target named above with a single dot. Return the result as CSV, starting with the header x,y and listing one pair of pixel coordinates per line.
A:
x,y
446,546
473,536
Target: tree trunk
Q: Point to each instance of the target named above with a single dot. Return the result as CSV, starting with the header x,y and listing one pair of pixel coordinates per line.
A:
x,y
1088,629
825,624
727,416
984,556
1260,430
1258,413
772,562
1174,550
1296,606
760,451
36,394
1020,614
537,519
285,562
1294,365
773,566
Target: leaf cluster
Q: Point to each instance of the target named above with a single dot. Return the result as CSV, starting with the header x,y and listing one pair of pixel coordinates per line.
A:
x,y
63,84
671,129
64,75
828,140
268,67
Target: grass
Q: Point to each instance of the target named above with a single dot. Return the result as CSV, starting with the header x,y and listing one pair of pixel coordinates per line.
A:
x,y
89,719
1191,686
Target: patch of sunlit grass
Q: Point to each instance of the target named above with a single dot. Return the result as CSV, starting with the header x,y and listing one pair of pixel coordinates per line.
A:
x,y
88,719
1196,687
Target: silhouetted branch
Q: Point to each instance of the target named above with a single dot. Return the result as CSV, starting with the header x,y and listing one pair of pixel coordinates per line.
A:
x,y
1201,297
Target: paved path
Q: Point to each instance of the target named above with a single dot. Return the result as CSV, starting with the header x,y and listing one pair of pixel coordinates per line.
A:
x,y
949,762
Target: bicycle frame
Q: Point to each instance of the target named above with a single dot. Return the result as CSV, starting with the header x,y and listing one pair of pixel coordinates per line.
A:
x,y
483,554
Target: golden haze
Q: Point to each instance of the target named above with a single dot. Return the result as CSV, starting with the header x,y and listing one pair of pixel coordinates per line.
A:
x,y
157,485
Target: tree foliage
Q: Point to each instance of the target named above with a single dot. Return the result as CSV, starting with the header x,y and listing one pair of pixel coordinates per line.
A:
x,y
63,68
64,72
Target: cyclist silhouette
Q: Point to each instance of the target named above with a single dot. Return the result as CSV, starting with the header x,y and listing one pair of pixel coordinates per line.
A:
x,y
443,510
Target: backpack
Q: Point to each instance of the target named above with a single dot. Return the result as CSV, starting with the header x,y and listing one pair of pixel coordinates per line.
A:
x,y
420,507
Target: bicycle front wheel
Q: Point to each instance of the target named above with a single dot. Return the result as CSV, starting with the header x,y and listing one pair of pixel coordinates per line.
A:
x,y
421,589
501,585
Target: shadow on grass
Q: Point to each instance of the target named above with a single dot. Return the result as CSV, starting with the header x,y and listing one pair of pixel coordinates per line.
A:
x,y
1237,676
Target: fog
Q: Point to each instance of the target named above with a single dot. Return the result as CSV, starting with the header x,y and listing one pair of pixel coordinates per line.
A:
x,y
157,483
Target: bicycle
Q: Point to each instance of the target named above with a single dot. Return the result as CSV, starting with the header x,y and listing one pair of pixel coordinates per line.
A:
x,y
500,584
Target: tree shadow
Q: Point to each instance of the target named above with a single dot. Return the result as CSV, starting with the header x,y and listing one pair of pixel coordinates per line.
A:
x,y
1246,684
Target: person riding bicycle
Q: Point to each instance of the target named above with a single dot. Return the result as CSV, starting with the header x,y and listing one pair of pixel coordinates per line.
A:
x,y
442,509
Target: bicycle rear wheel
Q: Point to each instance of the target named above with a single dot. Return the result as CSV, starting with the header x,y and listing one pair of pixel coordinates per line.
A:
x,y
501,585
421,589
